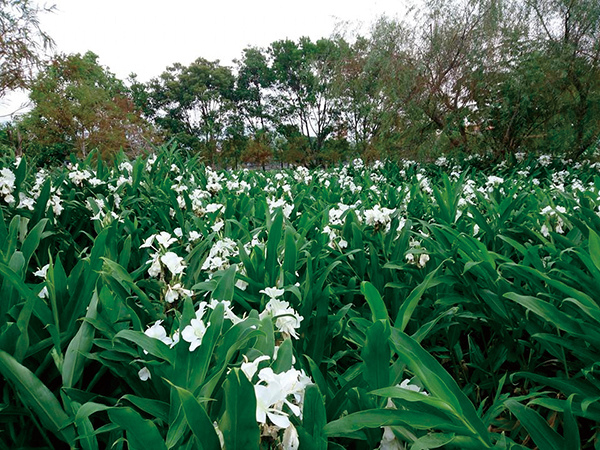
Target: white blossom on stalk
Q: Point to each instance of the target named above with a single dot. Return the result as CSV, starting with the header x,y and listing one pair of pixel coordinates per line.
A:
x,y
165,239
265,398
194,333
7,184
157,331
287,320
290,439
174,263
25,202
272,292
144,374
218,226
176,291
379,217
42,272
250,368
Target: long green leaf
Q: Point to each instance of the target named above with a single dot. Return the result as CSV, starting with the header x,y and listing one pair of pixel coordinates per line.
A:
x,y
38,397
238,424
142,434
378,309
544,437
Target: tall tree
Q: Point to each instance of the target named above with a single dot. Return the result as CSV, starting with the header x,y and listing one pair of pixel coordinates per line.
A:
x,y
253,90
303,79
22,43
79,106
193,103
570,32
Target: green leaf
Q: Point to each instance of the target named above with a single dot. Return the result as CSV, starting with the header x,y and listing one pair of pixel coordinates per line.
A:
x,y
376,356
141,433
275,233
285,357
432,440
378,309
314,419
594,242
544,437
38,397
80,345
375,418
198,420
439,383
151,345
408,306
225,286
238,424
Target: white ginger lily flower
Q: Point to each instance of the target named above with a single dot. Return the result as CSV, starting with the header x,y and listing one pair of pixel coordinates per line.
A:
x,y
194,333
174,263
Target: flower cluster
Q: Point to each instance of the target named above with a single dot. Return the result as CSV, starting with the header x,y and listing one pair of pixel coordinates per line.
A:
x,y
552,217
417,254
7,185
274,392
287,320
379,218
219,255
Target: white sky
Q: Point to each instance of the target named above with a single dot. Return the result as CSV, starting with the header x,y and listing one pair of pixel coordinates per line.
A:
x,y
146,36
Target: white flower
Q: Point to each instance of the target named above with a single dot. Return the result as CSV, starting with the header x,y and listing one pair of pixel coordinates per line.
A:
x,y
42,272
126,166
218,226
155,269
25,202
43,293
194,333
157,331
287,319
411,387
194,236
250,368
148,242
378,217
272,292
174,292
165,239
213,207
389,441
545,231
144,374
241,284
290,440
265,397
174,263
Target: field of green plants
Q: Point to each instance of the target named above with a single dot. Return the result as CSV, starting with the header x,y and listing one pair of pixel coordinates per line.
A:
x,y
159,304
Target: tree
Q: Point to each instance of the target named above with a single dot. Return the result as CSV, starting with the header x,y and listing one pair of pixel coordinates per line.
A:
x,y
303,74
570,33
253,89
79,106
193,104
21,43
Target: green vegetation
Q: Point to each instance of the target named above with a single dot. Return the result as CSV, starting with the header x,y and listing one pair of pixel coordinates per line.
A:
x,y
157,303
353,298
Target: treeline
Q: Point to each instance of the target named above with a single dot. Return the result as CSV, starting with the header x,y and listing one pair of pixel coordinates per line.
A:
x,y
485,76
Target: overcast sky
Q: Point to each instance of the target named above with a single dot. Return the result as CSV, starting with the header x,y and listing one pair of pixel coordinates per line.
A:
x,y
146,36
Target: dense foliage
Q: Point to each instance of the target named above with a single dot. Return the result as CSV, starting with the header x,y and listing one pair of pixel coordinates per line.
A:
x,y
160,304
22,43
